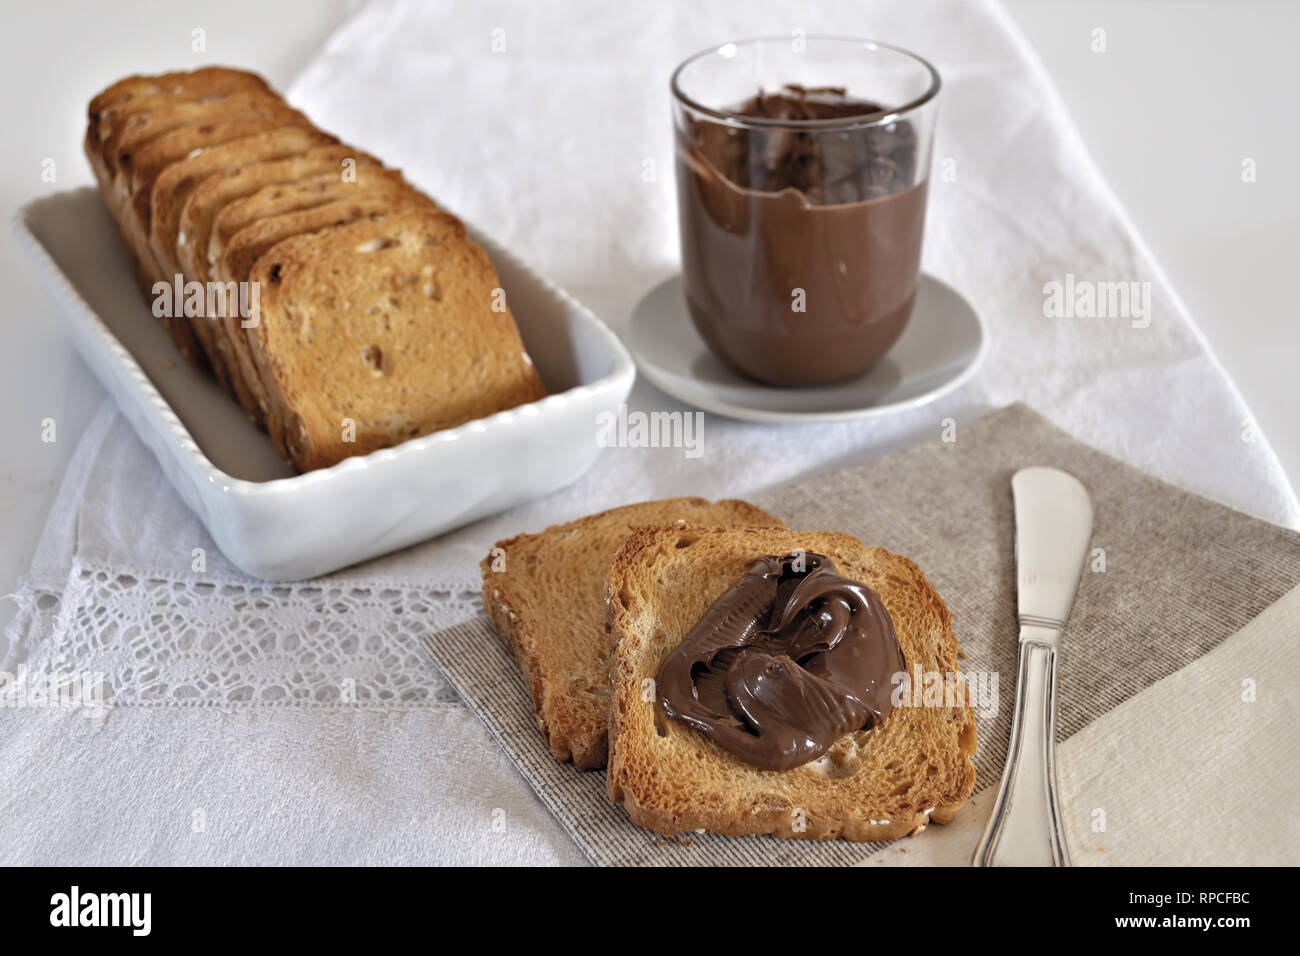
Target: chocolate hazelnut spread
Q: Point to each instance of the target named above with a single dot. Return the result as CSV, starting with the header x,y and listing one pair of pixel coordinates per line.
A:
x,y
785,663
801,245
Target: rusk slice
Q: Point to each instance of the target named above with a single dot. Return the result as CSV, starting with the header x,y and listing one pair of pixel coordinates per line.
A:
x,y
375,332
173,187
210,197
145,166
147,94
880,784
137,131
176,183
136,98
545,595
217,192
254,241
308,193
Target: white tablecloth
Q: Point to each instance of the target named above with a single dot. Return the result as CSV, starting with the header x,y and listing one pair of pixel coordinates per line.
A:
x,y
229,741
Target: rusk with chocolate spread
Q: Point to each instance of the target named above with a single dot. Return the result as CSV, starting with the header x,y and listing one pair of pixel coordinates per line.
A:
x,y
910,767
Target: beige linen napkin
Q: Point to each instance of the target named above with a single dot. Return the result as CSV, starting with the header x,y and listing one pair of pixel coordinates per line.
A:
x,y
1170,577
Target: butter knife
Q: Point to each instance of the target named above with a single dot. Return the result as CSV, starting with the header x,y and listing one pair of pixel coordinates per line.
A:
x,y
1053,530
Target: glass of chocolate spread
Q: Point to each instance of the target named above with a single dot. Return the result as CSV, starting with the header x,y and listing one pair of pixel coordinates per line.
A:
x,y
802,165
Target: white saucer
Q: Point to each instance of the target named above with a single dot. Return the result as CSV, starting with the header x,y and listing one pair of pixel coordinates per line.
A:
x,y
941,348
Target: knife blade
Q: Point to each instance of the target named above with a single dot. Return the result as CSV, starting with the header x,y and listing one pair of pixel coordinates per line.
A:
x,y
1053,531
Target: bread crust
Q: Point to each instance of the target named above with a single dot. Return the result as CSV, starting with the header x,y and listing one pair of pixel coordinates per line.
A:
x,y
672,780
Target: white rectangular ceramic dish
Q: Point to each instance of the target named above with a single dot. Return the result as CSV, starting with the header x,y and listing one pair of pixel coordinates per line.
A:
x,y
281,526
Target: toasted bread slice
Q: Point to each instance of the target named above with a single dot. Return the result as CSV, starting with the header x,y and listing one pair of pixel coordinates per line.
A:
x,y
138,218
212,195
254,241
175,184
139,130
545,595
308,193
215,193
141,169
371,333
134,96
173,187
878,784
146,94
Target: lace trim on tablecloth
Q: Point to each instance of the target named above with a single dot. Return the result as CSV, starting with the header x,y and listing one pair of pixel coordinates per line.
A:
x,y
154,640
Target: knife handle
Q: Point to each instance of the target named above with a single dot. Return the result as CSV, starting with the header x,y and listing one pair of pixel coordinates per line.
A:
x,y
1025,827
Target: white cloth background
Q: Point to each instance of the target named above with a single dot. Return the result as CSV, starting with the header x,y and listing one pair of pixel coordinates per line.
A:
x,y
231,690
